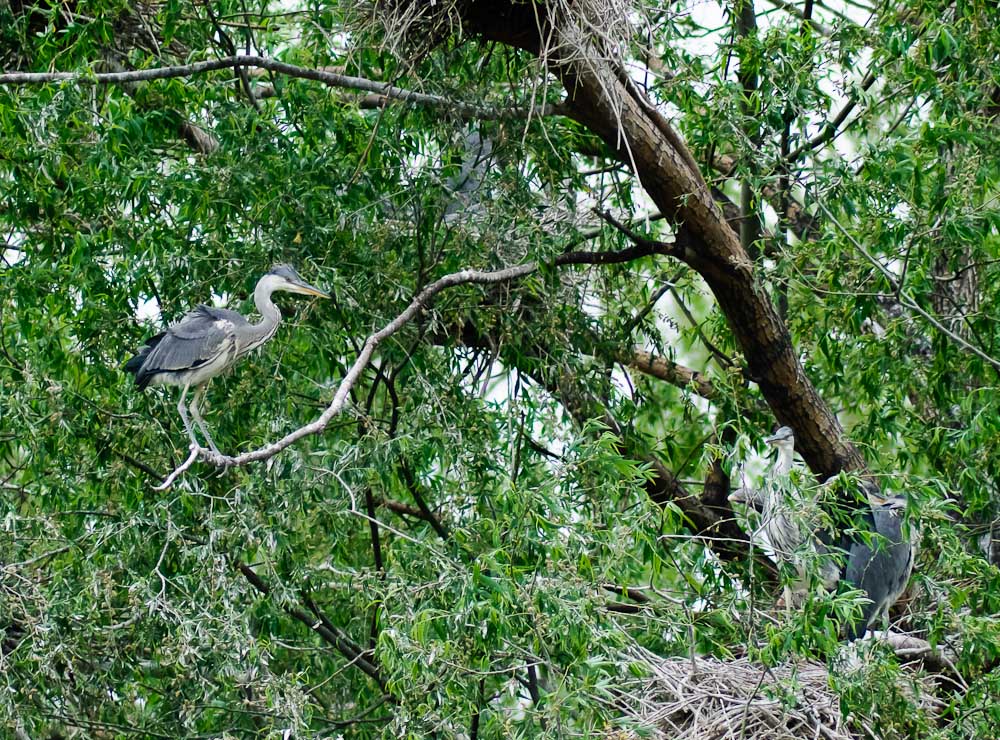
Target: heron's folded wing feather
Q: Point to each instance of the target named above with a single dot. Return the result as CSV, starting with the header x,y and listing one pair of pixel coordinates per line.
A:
x,y
198,338
204,320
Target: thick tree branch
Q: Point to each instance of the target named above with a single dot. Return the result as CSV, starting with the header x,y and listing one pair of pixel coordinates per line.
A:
x,y
619,114
715,524
671,372
398,507
746,32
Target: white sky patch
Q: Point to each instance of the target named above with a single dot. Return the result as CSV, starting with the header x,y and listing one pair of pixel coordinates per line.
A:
x,y
12,256
148,310
13,251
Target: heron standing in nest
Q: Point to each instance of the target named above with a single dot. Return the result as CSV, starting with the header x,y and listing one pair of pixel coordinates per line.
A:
x,y
879,565
787,521
878,561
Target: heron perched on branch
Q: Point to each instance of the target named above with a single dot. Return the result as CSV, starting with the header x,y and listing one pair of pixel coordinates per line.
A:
x,y
208,341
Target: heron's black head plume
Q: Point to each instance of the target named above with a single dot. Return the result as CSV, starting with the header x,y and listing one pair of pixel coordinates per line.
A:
x,y
285,270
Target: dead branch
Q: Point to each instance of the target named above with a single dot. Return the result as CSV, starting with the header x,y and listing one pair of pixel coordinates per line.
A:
x,y
671,372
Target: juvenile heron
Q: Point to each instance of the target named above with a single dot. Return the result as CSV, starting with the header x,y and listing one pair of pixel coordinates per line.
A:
x,y
879,565
208,341
786,518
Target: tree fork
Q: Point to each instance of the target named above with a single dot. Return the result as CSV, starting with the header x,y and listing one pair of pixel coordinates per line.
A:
x,y
619,114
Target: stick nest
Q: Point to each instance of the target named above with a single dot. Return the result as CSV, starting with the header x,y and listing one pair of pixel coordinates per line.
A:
x,y
709,698
410,28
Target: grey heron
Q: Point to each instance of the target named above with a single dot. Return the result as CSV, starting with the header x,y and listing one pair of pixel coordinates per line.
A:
x,y
786,519
208,341
880,563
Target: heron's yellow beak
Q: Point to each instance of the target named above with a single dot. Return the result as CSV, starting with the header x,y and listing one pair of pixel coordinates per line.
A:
x,y
307,289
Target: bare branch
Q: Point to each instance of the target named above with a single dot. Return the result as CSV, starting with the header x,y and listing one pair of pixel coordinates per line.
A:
x,y
793,9
650,246
832,128
332,79
139,464
169,480
664,369
398,507
635,594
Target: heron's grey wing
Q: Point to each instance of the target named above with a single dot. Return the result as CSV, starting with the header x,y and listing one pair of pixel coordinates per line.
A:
x,y
897,550
199,338
752,498
881,568
200,320
466,185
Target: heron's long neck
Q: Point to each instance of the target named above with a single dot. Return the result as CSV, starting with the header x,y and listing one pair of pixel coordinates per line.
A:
x,y
270,316
775,493
784,464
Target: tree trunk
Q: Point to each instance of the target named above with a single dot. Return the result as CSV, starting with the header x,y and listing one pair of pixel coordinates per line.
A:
x,y
604,99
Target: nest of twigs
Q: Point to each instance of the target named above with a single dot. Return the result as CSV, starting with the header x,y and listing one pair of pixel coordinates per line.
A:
x,y
408,28
708,698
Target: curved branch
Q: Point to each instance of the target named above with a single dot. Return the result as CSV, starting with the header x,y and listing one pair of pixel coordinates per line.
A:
x,y
339,402
619,114
169,480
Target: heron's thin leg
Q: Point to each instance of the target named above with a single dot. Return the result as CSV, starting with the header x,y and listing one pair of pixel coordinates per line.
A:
x,y
199,392
182,410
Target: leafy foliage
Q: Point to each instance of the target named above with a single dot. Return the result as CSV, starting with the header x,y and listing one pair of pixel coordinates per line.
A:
x,y
477,544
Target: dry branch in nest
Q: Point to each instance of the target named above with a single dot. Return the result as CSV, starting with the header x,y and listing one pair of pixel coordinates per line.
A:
x,y
408,26
405,28
708,698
